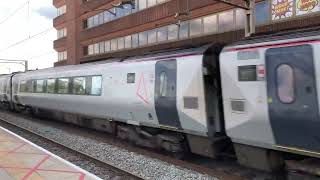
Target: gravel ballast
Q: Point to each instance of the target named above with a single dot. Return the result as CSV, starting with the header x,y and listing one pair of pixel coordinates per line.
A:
x,y
143,166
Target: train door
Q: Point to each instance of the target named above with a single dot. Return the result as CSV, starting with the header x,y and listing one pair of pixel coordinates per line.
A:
x,y
292,97
166,93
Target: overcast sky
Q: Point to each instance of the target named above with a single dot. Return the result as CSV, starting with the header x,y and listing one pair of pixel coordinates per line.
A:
x,y
39,50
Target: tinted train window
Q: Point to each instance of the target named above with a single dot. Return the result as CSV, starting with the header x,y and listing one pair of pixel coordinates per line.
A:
x,y
79,86
51,84
285,83
163,84
23,86
30,86
96,84
40,86
63,85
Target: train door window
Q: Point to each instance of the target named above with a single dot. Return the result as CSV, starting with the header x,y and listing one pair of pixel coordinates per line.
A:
x,y
63,85
96,85
285,83
163,84
79,86
40,86
51,84
23,86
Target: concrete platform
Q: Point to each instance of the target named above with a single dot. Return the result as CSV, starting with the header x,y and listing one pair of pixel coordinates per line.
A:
x,y
22,160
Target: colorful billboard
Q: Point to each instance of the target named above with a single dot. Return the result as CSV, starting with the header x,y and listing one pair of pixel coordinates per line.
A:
x,y
282,9
307,6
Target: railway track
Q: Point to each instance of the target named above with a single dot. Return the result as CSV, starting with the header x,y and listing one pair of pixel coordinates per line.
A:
x,y
123,172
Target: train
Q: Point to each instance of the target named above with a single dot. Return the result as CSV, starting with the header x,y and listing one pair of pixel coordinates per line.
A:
x,y
256,98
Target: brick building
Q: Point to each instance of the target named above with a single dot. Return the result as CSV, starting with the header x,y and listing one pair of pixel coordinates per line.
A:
x,y
90,30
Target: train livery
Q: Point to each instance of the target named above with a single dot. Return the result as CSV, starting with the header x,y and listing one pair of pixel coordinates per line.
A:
x,y
259,96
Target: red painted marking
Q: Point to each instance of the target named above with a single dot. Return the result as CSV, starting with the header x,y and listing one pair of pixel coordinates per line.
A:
x,y
17,148
36,167
285,44
143,97
82,176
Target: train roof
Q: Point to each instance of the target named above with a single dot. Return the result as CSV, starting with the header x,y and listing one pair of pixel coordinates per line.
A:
x,y
310,33
173,53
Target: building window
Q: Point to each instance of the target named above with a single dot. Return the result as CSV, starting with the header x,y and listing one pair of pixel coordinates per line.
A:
x,y
79,86
142,4
162,34
96,49
120,43
152,3
101,48
63,85
61,33
196,27
61,10
152,36
210,24
107,46
263,15
127,42
114,44
240,18
184,30
62,55
172,32
226,22
143,38
90,49
135,40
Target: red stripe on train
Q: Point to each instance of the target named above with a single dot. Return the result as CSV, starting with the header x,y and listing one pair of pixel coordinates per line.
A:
x,y
295,43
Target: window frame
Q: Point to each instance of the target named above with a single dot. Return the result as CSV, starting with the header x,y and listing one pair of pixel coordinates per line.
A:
x,y
292,87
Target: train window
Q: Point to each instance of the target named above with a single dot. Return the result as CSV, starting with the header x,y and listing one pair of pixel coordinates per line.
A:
x,y
30,86
51,84
63,85
131,77
163,84
96,85
79,86
285,83
39,86
23,86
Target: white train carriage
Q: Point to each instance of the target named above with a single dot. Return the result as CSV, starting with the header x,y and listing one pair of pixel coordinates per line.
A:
x,y
270,93
164,91
5,89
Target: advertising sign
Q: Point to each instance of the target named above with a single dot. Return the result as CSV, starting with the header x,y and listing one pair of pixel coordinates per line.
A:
x,y
307,6
282,9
